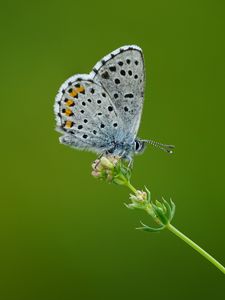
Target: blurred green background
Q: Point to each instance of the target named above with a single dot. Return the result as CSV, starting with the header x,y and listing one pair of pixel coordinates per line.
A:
x,y
67,236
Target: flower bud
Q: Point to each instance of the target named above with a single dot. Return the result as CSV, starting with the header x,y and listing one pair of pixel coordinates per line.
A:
x,y
95,174
139,200
111,169
106,163
140,196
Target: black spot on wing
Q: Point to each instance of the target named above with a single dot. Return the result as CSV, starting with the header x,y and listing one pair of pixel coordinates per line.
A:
x,y
112,69
105,75
129,96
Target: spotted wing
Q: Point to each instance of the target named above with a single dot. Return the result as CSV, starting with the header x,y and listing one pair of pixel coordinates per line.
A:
x,y
86,115
122,75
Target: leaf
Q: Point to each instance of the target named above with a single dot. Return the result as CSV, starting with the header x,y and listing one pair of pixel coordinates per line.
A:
x,y
160,214
158,204
168,209
173,208
150,229
129,206
148,194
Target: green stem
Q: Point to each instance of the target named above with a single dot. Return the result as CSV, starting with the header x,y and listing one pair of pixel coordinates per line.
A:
x,y
196,247
131,187
185,238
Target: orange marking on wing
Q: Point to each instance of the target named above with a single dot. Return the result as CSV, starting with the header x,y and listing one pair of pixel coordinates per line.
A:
x,y
76,91
69,102
68,112
80,89
73,93
68,124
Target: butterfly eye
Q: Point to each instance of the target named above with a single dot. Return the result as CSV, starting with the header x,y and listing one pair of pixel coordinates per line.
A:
x,y
137,145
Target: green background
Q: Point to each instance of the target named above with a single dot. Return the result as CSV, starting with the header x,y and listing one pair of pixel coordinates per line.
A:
x,y
65,235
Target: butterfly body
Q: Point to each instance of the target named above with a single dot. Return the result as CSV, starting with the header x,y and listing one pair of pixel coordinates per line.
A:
x,y
101,111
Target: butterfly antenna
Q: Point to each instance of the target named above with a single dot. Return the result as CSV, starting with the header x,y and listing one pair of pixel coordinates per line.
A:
x,y
163,147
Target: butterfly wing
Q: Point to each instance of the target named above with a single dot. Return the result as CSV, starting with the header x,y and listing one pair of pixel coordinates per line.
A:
x,y
86,115
122,75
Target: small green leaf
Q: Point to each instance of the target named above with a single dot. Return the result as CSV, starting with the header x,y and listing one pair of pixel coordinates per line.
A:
x,y
173,208
159,204
148,194
150,229
160,214
164,208
129,206
168,209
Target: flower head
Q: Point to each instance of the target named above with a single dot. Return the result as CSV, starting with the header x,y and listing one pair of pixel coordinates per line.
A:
x,y
139,200
111,169
139,197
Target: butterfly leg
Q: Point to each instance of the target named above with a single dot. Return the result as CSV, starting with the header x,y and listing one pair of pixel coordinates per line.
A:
x,y
97,161
131,163
127,158
100,156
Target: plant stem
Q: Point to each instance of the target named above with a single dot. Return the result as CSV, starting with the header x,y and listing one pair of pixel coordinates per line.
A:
x,y
185,238
196,247
131,187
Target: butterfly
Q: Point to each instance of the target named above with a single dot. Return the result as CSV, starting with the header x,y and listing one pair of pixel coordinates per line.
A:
x,y
101,111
